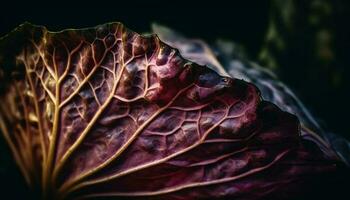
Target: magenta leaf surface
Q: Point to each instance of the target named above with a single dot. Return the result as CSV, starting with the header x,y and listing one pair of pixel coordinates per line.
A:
x,y
106,112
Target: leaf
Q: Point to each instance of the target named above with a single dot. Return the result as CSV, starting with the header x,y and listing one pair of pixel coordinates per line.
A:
x,y
104,111
226,57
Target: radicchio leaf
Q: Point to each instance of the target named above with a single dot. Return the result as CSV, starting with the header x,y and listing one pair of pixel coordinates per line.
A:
x,y
228,58
106,112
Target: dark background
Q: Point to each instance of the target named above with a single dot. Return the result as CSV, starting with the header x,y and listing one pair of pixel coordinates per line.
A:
x,y
314,59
